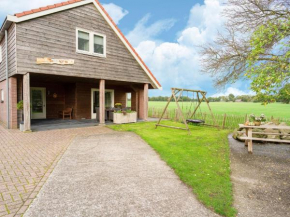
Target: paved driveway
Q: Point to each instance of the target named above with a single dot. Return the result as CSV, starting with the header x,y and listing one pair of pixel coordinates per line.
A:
x,y
114,174
27,159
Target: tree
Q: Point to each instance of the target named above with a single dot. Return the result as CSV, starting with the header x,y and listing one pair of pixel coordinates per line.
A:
x,y
231,97
254,45
284,94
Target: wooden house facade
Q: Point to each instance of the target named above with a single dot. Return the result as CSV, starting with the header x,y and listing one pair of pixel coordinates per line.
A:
x,y
68,55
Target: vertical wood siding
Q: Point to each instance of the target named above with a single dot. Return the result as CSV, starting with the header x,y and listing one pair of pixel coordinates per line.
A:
x,y
11,54
54,36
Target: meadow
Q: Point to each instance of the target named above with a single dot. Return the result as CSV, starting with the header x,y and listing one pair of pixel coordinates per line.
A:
x,y
277,110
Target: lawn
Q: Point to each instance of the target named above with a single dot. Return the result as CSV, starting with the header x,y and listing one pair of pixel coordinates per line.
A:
x,y
235,108
201,160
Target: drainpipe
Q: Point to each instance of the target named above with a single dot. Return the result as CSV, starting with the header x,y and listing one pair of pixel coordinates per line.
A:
x,y
7,81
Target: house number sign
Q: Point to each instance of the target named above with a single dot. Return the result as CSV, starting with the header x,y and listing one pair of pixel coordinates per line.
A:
x,y
54,61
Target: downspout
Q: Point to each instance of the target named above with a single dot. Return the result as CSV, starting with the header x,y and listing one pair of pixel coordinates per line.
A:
x,y
7,81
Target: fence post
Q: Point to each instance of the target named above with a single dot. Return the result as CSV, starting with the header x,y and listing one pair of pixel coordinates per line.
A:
x,y
224,121
246,118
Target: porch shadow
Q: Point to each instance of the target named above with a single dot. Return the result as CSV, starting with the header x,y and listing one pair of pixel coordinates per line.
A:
x,y
56,124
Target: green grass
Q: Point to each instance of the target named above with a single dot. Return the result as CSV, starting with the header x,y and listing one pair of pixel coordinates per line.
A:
x,y
235,108
201,159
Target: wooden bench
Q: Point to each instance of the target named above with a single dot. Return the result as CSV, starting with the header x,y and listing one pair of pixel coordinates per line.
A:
x,y
249,134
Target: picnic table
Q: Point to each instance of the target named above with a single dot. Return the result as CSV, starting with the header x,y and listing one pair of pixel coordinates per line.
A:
x,y
249,134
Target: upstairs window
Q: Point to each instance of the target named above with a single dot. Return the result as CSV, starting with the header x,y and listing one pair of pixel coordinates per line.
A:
x,y
91,43
84,41
98,44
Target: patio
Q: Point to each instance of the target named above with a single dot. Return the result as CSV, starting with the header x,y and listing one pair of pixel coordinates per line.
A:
x,y
56,124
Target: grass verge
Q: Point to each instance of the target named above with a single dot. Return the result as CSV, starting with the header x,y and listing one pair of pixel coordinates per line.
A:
x,y
201,160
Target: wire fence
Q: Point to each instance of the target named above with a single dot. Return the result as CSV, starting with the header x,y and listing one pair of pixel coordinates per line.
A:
x,y
228,121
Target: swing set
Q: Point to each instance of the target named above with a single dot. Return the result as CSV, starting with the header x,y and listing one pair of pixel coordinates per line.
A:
x,y
177,95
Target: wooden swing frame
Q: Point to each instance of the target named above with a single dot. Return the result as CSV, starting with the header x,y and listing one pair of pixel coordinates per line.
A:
x,y
174,92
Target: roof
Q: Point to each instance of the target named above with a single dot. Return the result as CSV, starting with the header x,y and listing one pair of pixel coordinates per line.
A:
x,y
32,11
42,11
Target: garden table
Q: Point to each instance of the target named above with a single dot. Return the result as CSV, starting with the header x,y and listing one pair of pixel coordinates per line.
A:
x,y
249,134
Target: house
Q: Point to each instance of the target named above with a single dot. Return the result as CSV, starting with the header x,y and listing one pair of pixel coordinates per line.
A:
x,y
68,55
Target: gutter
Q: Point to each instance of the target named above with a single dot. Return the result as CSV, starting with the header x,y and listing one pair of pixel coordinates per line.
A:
x,y
7,81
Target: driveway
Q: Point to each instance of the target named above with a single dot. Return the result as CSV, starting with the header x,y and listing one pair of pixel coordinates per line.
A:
x,y
261,180
114,174
27,159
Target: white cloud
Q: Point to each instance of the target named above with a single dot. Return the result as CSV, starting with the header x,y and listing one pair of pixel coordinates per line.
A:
x,y
17,6
116,12
177,63
235,91
141,32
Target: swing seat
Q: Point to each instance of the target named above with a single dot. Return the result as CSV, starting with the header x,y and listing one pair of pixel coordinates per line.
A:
x,y
195,121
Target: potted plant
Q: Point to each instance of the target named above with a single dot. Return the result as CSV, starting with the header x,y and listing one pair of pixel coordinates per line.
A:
x,y
118,105
263,119
257,120
20,109
122,117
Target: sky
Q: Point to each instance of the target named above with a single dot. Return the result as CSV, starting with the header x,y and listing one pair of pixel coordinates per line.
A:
x,y
166,34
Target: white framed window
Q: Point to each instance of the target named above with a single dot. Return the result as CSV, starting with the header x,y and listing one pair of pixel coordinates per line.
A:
x,y
90,43
1,57
2,95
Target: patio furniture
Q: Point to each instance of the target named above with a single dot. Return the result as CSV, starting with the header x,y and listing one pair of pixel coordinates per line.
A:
x,y
249,134
66,112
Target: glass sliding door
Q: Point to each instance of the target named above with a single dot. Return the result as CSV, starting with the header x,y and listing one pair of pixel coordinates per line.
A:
x,y
38,102
109,101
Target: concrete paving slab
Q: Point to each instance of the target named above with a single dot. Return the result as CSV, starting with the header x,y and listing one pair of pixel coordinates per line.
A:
x,y
114,174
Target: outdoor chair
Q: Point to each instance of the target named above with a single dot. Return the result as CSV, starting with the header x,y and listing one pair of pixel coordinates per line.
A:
x,y
66,112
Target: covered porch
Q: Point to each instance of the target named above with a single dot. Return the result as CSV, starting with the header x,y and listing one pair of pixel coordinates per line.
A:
x,y
45,96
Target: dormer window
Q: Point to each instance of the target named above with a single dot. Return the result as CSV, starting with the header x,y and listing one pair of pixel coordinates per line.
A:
x,y
91,43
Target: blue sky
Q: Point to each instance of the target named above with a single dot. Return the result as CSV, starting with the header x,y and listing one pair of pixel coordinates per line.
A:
x,y
165,34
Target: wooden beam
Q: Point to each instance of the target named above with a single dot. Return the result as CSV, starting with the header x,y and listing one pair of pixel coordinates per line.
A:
x,y
26,102
193,113
189,90
102,102
181,113
146,87
207,102
168,102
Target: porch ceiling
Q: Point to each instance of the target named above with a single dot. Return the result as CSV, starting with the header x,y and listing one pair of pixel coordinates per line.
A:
x,y
68,79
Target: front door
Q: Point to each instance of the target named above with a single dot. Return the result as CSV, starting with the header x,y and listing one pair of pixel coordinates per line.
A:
x,y
109,101
38,102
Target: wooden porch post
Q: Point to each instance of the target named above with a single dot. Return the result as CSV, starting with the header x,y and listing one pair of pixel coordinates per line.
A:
x,y
143,102
26,102
146,87
102,102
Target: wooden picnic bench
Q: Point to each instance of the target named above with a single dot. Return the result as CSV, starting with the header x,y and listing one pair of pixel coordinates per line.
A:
x,y
249,134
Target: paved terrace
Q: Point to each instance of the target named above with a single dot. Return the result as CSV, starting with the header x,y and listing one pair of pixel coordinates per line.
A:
x,y
26,161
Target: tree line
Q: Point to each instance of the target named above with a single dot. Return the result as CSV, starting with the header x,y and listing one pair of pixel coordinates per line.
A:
x,y
283,96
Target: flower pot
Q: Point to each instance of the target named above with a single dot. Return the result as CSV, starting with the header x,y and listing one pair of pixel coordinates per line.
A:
x,y
120,118
21,127
257,123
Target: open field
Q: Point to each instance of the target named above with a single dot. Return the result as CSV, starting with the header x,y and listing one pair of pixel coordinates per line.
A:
x,y
233,108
